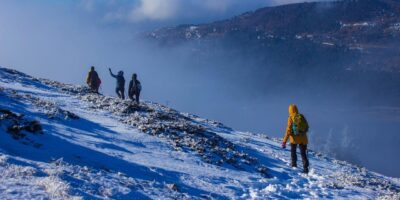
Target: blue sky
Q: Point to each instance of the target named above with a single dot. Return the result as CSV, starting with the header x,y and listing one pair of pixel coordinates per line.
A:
x,y
171,12
142,13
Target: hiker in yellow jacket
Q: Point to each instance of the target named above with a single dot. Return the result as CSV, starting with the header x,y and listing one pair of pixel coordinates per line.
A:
x,y
296,131
93,80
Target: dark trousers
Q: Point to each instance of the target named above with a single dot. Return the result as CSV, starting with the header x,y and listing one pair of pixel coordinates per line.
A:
x,y
94,89
120,92
94,86
303,153
135,96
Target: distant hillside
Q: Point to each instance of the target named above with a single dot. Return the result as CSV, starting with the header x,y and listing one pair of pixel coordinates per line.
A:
x,y
363,35
345,48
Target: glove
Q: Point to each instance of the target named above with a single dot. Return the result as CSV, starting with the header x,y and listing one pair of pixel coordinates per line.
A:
x,y
284,145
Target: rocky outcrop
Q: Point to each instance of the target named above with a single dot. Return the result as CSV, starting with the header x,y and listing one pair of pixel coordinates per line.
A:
x,y
18,126
184,132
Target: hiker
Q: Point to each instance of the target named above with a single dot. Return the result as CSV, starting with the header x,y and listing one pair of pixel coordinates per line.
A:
x,y
93,80
296,131
134,89
120,89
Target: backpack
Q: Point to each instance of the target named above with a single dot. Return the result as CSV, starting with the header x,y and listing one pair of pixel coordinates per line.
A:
x,y
137,87
299,125
94,79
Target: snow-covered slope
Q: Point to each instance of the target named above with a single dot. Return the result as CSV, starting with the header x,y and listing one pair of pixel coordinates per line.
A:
x,y
59,142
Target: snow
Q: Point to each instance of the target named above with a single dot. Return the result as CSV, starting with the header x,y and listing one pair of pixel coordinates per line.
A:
x,y
328,44
395,27
359,24
192,33
99,147
192,28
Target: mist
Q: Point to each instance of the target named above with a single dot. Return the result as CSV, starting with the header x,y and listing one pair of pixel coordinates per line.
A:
x,y
60,41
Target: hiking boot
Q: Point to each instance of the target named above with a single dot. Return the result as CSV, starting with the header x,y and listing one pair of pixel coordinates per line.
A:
x,y
305,171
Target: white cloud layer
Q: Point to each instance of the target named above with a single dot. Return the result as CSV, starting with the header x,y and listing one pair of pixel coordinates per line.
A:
x,y
154,10
137,11
162,10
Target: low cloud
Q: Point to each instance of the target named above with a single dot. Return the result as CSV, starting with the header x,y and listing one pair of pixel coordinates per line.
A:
x,y
283,2
172,12
87,5
154,10
221,5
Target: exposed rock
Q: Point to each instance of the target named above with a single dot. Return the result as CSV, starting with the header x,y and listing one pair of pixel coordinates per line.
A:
x,y
17,125
51,109
173,187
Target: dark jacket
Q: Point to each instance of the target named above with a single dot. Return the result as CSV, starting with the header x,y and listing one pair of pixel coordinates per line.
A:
x,y
134,87
120,80
93,79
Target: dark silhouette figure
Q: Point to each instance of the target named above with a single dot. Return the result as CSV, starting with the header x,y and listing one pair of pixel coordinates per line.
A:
x,y
93,80
134,88
120,89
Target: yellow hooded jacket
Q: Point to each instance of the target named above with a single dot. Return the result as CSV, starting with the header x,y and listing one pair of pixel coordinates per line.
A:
x,y
89,77
300,139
